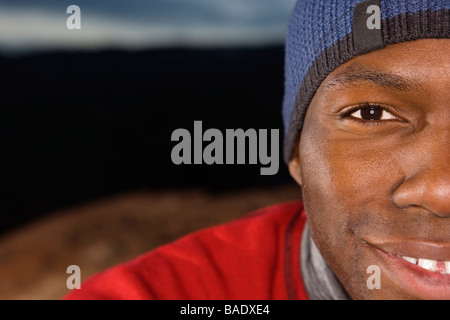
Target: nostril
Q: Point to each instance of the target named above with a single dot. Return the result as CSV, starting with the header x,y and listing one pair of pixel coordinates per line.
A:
x,y
408,194
434,196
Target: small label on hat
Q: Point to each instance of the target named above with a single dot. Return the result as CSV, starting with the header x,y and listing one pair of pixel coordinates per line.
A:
x,y
367,26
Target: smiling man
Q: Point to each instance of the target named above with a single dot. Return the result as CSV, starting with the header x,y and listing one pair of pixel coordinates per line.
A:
x,y
370,149
373,162
367,118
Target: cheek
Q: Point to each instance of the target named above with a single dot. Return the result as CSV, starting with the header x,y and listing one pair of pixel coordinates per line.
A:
x,y
324,189
339,178
347,174
322,193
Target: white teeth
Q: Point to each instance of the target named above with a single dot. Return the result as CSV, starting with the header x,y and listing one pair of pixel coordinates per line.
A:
x,y
427,264
412,260
447,267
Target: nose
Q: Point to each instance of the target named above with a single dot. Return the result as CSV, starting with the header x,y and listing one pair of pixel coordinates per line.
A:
x,y
429,188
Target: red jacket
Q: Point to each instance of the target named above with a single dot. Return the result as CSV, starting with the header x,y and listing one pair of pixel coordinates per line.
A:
x,y
256,257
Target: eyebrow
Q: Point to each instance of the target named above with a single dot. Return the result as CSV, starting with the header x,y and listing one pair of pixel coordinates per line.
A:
x,y
355,74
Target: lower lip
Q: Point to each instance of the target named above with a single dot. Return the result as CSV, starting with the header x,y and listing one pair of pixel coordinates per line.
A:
x,y
414,280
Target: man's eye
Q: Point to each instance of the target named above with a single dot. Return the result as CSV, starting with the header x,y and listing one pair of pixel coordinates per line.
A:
x,y
372,114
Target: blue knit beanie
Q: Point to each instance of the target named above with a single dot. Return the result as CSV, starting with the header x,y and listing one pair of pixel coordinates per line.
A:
x,y
323,34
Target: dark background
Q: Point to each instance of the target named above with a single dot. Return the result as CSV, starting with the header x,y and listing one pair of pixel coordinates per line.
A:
x,y
76,126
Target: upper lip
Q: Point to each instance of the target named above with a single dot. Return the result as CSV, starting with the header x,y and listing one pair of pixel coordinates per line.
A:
x,y
419,249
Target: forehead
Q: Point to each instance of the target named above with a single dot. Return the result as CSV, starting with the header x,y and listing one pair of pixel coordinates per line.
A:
x,y
357,73
403,66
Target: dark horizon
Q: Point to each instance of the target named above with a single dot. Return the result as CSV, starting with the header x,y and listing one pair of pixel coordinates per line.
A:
x,y
78,126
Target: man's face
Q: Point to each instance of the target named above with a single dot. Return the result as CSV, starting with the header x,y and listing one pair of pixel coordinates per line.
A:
x,y
374,166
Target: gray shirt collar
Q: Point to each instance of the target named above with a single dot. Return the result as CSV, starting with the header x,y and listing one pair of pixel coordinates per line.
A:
x,y
320,282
